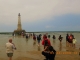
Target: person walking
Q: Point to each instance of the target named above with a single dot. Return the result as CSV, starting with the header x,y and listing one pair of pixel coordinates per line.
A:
x,y
27,36
67,39
34,38
70,40
46,42
10,47
48,36
74,42
54,37
38,39
60,38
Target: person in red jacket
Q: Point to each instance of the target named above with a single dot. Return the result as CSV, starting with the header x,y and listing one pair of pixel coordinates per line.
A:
x,y
46,42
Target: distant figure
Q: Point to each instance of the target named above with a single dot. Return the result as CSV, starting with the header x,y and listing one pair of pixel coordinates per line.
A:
x,y
38,39
74,42
54,37
13,34
48,36
26,36
67,35
34,38
23,34
31,35
71,40
67,40
49,53
60,38
10,47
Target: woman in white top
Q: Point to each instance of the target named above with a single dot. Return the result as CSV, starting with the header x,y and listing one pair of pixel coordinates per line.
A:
x,y
74,42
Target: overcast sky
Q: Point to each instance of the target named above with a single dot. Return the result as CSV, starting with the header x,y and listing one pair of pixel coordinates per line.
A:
x,y
40,15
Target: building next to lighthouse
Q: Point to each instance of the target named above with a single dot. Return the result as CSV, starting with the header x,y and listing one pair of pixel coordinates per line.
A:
x,y
19,30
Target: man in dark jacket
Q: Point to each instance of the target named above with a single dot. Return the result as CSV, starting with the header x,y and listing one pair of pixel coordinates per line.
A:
x,y
49,53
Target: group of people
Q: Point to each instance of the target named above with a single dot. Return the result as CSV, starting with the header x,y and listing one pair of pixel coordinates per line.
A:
x,y
70,40
49,52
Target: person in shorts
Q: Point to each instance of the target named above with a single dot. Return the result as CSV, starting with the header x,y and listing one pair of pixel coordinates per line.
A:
x,y
10,49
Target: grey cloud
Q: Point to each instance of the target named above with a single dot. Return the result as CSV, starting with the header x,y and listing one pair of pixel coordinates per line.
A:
x,y
32,10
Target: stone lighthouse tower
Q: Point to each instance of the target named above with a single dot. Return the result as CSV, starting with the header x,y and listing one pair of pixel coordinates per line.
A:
x,y
19,26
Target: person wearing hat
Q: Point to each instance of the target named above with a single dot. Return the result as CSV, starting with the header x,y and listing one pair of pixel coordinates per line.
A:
x,y
10,47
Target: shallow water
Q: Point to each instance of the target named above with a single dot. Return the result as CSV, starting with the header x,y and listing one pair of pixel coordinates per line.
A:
x,y
26,49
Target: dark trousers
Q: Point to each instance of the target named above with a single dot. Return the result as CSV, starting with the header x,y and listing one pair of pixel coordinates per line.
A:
x,y
47,56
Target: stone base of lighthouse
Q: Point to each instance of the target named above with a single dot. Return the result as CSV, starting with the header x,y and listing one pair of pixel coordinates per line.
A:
x,y
19,32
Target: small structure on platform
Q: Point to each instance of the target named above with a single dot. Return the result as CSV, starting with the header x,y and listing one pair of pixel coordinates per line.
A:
x,y
19,30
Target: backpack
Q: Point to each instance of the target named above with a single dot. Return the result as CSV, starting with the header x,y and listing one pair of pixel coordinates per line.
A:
x,y
46,42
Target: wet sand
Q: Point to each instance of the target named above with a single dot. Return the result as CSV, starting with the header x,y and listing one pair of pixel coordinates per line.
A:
x,y
27,50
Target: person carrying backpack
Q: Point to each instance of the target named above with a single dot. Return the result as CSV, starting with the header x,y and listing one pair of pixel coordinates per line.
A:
x,y
46,42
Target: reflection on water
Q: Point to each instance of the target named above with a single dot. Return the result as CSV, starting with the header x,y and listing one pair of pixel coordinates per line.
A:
x,y
60,46
54,41
34,43
39,48
26,41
